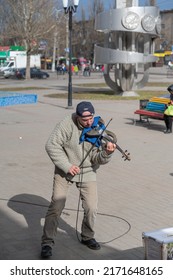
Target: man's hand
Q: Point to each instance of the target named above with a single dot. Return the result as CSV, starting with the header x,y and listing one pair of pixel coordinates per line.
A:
x,y
74,170
110,148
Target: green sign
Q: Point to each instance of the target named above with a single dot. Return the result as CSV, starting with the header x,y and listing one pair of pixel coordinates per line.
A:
x,y
3,54
17,48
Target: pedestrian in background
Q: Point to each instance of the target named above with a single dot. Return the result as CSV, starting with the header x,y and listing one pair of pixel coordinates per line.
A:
x,y
76,69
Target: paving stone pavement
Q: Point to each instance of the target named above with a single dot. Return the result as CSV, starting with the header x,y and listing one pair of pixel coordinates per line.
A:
x,y
134,196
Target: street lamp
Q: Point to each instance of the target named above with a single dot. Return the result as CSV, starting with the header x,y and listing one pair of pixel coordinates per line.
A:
x,y
70,9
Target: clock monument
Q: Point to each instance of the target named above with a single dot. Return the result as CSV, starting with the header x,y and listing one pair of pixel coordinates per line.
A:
x,y
129,44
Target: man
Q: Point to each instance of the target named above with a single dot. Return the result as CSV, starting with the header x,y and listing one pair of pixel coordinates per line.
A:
x,y
76,158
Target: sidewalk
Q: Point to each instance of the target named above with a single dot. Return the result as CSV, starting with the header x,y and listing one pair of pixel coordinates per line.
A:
x,y
134,196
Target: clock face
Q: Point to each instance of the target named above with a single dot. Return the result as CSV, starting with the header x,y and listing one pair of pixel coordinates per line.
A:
x,y
158,25
148,22
131,20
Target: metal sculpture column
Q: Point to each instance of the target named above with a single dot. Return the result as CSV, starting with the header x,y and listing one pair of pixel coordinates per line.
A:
x,y
130,32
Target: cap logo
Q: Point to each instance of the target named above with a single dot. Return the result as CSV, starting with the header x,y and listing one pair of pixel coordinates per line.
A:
x,y
84,106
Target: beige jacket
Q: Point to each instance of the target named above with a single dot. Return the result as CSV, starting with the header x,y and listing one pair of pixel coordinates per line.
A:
x,y
64,150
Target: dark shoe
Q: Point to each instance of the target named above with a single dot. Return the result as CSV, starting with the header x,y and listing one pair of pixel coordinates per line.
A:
x,y
46,251
167,131
91,243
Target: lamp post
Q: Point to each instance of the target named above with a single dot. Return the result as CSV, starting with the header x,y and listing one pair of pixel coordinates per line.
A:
x,y
70,9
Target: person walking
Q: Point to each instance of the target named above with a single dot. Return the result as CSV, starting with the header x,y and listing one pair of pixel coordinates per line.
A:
x,y
168,116
76,157
76,69
168,113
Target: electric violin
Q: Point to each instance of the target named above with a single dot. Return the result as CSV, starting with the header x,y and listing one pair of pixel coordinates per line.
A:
x,y
109,136
125,154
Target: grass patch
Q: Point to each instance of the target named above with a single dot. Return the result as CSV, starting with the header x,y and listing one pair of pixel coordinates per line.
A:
x,y
92,85
21,88
107,95
154,84
151,84
88,92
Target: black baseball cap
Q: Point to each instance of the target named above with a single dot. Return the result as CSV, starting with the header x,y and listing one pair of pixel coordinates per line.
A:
x,y
170,88
85,106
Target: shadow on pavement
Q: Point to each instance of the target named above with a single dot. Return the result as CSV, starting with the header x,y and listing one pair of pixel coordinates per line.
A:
x,y
151,125
20,235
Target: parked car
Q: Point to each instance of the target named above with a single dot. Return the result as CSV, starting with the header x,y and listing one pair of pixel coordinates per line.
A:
x,y
34,72
37,73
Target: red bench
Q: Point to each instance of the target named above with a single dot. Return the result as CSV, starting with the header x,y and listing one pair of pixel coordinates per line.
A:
x,y
145,114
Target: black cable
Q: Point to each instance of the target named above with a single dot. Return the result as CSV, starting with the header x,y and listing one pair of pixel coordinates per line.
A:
x,y
74,210
80,182
81,166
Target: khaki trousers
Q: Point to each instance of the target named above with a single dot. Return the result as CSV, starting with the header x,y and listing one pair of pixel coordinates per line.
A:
x,y
88,195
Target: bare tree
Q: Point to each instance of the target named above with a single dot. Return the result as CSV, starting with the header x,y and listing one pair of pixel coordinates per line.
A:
x,y
3,15
28,23
85,35
95,7
152,2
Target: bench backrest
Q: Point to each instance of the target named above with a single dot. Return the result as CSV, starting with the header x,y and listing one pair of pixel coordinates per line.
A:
x,y
155,107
